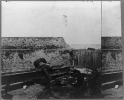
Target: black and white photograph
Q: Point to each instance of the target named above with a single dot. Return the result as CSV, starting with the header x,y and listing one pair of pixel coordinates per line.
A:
x,y
61,50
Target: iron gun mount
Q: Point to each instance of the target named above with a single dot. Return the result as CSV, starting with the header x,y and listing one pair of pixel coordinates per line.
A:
x,y
85,78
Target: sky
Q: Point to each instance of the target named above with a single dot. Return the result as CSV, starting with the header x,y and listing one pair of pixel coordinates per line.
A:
x,y
79,22
111,18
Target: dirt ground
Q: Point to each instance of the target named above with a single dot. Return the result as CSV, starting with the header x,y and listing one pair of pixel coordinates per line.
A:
x,y
29,93
40,92
113,93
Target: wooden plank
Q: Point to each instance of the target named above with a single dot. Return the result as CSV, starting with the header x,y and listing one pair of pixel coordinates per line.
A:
x,y
108,77
111,84
8,79
111,49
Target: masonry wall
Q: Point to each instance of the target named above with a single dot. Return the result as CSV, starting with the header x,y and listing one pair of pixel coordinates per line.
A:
x,y
111,53
19,53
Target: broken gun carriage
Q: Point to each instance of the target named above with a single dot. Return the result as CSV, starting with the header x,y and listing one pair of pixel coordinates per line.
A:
x,y
87,79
